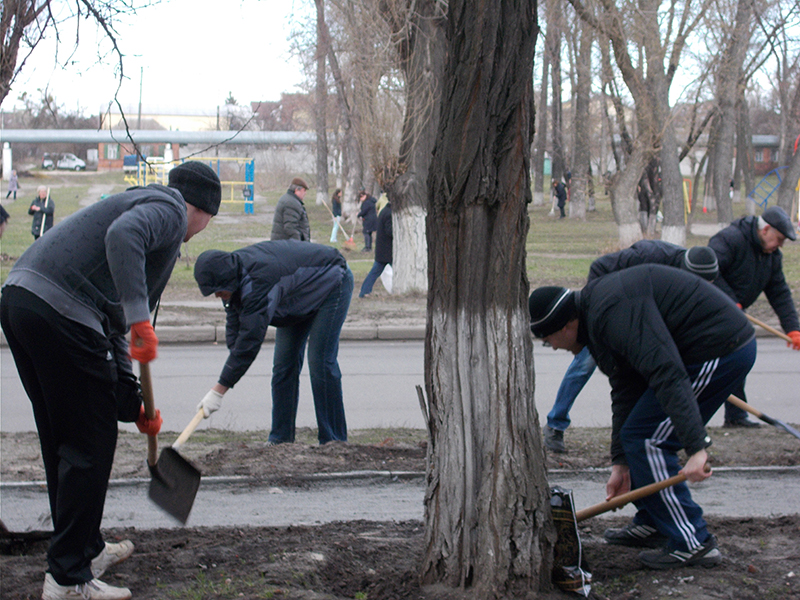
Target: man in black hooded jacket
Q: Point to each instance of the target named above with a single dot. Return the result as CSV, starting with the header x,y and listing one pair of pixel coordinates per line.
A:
x,y
304,291
674,347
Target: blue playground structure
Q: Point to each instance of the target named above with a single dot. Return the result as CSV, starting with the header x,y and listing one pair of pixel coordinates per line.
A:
x,y
765,188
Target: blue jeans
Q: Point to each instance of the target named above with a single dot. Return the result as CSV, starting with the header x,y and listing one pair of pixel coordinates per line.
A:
x,y
371,278
321,331
578,373
651,448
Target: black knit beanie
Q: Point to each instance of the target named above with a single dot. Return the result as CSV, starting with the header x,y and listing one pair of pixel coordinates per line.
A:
x,y
551,308
198,184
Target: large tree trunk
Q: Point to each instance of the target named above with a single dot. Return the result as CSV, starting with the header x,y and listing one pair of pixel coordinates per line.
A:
x,y
422,56
321,106
582,127
787,192
554,35
487,518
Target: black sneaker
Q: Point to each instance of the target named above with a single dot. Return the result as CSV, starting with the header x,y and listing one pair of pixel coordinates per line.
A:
x,y
635,536
743,422
554,439
707,555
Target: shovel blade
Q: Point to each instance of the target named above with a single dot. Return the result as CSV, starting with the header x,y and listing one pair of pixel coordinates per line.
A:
x,y
174,484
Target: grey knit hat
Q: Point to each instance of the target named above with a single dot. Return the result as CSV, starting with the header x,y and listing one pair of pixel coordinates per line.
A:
x,y
702,261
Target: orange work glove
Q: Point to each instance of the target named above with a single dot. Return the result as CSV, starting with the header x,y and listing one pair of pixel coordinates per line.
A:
x,y
149,426
739,305
795,343
143,342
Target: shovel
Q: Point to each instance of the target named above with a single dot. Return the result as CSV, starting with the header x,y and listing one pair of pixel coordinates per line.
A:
x,y
767,419
570,570
174,481
772,330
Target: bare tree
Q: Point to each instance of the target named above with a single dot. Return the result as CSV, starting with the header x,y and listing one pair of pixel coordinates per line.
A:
x,y
582,125
660,34
321,105
487,519
541,132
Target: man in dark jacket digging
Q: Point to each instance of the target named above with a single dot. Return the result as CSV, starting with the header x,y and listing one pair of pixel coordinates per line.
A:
x,y
674,348
304,291
751,262
66,307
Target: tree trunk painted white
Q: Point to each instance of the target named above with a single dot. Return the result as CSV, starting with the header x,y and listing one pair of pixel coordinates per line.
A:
x,y
410,267
674,234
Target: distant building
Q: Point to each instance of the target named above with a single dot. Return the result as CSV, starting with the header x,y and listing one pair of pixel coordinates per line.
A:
x,y
765,153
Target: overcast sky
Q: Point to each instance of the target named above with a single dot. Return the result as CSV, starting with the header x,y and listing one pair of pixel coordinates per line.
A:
x,y
186,53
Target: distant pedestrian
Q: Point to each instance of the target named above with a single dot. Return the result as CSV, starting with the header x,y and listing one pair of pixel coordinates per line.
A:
x,y
291,219
560,192
42,208
384,239
13,185
369,214
336,209
4,217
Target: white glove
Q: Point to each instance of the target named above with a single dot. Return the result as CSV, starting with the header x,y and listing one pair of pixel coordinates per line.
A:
x,y
211,403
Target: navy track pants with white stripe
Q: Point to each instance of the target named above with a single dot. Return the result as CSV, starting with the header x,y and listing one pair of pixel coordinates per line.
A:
x,y
651,448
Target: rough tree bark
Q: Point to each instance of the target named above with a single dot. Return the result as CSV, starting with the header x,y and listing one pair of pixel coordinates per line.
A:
x,y
554,36
488,527
541,134
421,50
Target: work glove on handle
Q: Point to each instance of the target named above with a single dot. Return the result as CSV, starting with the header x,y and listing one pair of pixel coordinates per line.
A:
x,y
144,342
147,426
210,403
795,343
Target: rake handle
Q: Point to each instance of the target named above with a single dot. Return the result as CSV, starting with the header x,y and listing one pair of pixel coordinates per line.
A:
x,y
772,330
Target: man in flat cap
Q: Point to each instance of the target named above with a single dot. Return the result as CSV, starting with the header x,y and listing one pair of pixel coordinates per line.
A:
x,y
699,260
751,262
65,309
674,348
290,221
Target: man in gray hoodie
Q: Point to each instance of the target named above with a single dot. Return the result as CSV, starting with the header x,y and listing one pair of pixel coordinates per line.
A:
x,y
65,309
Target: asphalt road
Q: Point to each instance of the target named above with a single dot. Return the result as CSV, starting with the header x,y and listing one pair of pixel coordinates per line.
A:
x,y
379,379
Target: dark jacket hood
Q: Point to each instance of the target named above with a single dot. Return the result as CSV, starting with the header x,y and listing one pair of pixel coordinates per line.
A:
x,y
217,271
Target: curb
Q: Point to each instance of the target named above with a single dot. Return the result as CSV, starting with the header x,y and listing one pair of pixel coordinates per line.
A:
x,y
211,334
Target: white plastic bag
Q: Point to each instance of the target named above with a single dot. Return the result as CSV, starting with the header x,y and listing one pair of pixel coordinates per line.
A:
x,y
386,278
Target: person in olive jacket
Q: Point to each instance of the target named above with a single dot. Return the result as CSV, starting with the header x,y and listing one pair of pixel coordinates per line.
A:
x,y
369,213
383,250
304,291
751,262
290,221
674,347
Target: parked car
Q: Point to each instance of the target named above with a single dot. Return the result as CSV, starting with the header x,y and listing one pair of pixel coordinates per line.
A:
x,y
66,161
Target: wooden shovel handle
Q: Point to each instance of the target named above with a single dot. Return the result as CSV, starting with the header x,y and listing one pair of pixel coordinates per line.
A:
x,y
189,429
772,330
620,501
149,411
739,403
637,494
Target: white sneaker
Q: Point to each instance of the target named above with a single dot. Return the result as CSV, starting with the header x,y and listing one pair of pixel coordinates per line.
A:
x,y
112,554
91,590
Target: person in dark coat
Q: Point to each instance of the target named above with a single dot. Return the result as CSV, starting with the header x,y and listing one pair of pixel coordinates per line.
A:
x,y
383,250
674,347
290,221
561,196
751,262
304,291
336,211
66,307
699,260
42,208
4,217
369,214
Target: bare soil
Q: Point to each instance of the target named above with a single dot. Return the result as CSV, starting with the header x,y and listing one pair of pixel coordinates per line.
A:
x,y
368,560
